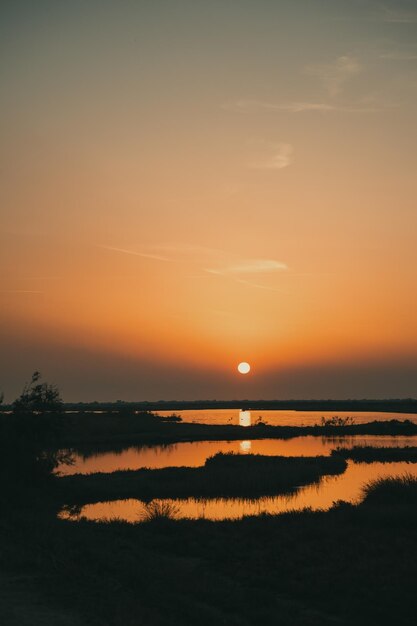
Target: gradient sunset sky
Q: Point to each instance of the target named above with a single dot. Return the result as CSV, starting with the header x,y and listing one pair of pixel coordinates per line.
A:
x,y
186,184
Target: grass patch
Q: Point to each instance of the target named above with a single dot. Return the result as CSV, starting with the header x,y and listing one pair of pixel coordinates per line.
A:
x,y
346,567
89,429
156,511
370,454
223,475
392,492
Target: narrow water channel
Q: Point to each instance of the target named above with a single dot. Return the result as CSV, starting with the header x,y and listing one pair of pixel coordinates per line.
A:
x,y
347,486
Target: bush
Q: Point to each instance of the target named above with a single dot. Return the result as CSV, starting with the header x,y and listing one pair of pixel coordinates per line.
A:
x,y
158,510
337,421
38,398
392,492
29,437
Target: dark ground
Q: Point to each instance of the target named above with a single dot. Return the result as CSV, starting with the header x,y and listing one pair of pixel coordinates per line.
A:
x,y
349,566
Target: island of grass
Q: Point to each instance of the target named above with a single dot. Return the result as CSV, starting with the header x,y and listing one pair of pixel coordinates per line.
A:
x,y
129,428
223,475
371,454
84,430
393,492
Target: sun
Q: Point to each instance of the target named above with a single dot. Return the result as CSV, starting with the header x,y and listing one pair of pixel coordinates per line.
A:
x,y
243,368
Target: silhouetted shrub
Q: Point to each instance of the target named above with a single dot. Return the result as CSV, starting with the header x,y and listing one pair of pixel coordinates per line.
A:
x,y
38,398
157,511
29,436
171,418
391,492
337,421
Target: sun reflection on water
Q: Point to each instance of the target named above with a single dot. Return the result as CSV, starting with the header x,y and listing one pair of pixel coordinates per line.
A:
x,y
245,418
245,446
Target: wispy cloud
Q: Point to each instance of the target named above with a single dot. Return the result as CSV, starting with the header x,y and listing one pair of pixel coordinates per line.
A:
x,y
334,75
210,261
299,107
175,252
381,13
21,291
183,251
145,255
221,313
398,56
290,107
250,266
242,271
282,155
397,16
249,283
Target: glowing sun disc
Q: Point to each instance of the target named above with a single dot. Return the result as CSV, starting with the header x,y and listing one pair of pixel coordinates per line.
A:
x,y
243,368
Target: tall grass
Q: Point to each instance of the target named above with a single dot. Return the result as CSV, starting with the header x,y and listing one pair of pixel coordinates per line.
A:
x,y
158,510
224,475
391,492
370,454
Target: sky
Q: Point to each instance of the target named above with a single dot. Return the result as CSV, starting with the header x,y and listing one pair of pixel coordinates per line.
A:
x,y
188,184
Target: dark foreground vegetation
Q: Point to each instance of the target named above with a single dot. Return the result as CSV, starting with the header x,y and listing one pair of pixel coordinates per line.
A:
x,y
224,475
371,454
350,566
84,429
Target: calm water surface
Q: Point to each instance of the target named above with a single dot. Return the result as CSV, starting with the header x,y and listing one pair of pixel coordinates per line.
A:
x,y
194,454
321,495
280,418
347,486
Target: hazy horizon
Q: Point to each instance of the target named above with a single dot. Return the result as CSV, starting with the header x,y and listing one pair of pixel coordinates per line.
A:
x,y
188,185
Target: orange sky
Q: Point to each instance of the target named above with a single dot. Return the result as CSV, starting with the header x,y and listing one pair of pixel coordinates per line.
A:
x,y
187,187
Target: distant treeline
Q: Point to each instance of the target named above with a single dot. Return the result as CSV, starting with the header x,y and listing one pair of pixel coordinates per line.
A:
x,y
406,405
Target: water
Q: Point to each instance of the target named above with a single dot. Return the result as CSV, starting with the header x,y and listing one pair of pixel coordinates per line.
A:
x,y
280,418
194,454
322,495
